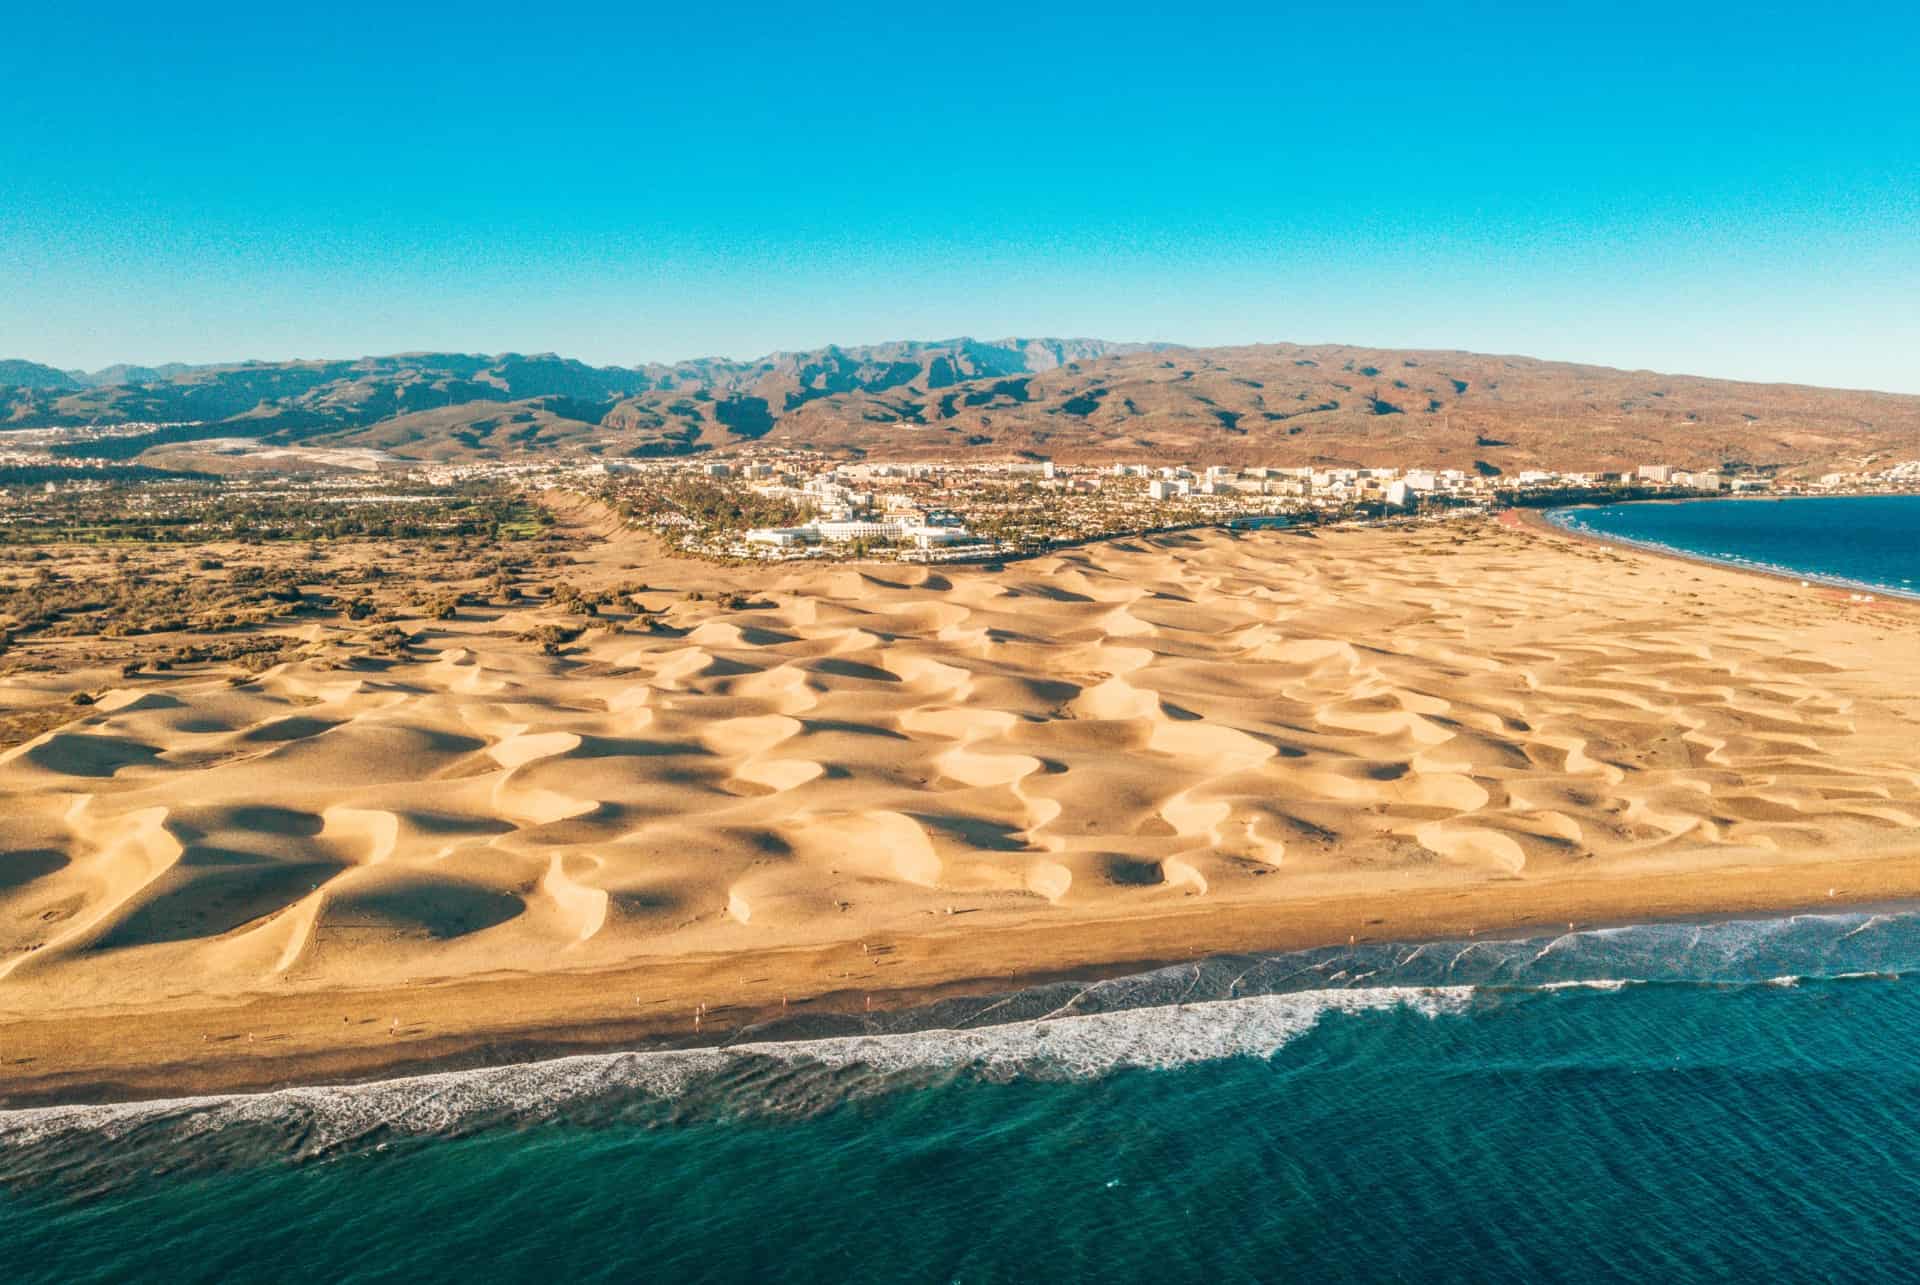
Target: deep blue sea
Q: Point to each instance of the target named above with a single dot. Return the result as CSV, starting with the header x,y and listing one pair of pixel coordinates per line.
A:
x,y
1865,541
1673,1103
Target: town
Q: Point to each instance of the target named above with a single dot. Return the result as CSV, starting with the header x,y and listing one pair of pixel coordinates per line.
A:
x,y
781,504
793,505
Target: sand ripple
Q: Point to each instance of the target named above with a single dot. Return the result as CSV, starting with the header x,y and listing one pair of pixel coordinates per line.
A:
x,y
875,750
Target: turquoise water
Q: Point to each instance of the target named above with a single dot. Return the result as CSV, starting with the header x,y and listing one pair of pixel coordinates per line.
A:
x,y
1867,541
1678,1102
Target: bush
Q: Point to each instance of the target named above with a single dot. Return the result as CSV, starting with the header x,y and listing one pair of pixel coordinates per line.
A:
x,y
551,635
391,641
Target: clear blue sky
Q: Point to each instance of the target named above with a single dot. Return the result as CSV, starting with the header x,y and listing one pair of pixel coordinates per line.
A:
x,y
1723,189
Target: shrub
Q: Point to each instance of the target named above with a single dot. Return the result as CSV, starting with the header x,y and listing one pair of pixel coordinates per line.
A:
x,y
551,636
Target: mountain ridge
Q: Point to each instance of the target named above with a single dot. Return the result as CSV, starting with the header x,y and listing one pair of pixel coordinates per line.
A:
x,y
1065,398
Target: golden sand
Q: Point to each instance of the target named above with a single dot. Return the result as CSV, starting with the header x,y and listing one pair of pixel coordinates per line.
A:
x,y
874,782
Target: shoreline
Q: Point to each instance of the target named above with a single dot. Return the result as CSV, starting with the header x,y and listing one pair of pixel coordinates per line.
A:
x,y
245,1031
1541,520
255,1045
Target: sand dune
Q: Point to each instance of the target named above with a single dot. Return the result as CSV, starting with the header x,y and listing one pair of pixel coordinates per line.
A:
x,y
1149,727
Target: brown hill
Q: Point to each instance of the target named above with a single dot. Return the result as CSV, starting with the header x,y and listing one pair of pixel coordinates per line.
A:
x,y
1069,400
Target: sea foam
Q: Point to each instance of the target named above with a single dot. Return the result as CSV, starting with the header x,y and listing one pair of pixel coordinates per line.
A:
x,y
1208,1010
317,1121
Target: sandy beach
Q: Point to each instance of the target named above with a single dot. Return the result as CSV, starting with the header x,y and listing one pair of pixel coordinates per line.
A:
x,y
869,785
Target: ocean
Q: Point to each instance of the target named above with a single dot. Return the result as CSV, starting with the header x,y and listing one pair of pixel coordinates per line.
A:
x,y
1677,1102
1868,542
1673,1102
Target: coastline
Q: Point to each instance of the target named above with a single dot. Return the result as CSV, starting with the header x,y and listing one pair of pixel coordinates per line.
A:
x,y
255,1044
1541,520
225,1038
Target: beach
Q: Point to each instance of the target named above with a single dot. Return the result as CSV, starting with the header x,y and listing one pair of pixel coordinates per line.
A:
x,y
857,788
1849,517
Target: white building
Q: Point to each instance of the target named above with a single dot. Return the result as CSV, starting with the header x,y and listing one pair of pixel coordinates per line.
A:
x,y
927,537
1699,481
856,529
781,537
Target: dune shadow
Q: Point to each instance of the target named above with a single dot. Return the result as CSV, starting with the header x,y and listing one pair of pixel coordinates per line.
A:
x,y
755,636
853,669
297,728
264,817
976,832
648,902
445,823
22,867
439,908
601,747
77,755
214,893
1132,871
815,726
1051,593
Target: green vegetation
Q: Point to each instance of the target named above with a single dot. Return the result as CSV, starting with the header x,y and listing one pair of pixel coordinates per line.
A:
x,y
1554,497
708,506
51,604
189,511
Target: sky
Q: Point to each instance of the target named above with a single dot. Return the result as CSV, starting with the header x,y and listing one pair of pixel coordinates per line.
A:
x,y
1706,188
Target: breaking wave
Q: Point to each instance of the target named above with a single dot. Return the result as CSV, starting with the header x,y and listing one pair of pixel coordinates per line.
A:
x,y
1219,1008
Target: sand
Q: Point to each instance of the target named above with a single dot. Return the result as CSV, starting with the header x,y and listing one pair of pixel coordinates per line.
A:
x,y
875,784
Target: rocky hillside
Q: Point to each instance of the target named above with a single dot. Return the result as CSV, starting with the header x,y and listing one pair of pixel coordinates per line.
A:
x,y
1063,399
31,376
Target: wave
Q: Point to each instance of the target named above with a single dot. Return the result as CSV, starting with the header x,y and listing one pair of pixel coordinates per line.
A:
x,y
771,1075
1210,1010
1070,1047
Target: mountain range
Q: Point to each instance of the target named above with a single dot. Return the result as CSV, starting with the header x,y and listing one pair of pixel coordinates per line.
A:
x,y
1065,399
